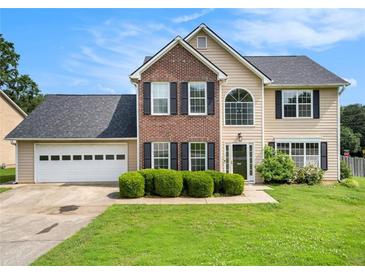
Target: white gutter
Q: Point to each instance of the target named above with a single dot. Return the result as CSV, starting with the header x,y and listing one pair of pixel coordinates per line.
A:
x,y
72,139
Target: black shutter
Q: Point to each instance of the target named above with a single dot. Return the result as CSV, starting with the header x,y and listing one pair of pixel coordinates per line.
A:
x,y
272,144
147,98
210,95
184,98
173,97
173,156
147,155
324,157
184,156
316,104
211,156
278,109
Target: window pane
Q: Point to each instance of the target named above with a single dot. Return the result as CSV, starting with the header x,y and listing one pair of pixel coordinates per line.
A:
x,y
55,157
120,157
197,164
312,154
43,158
161,163
76,157
161,155
160,105
227,159
238,113
290,97
290,111
197,105
160,90
109,157
198,157
197,150
305,110
99,157
88,157
66,157
304,97
202,42
197,97
283,147
297,152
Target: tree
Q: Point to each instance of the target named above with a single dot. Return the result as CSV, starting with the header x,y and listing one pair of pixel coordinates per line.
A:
x,y
353,116
350,140
19,87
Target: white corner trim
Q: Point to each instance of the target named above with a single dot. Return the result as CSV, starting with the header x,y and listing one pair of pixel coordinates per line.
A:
x,y
178,40
230,50
137,118
13,103
262,121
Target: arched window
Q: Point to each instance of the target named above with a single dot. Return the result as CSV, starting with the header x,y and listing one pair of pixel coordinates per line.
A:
x,y
239,108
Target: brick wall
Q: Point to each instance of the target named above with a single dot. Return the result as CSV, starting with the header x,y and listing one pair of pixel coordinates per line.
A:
x,y
178,65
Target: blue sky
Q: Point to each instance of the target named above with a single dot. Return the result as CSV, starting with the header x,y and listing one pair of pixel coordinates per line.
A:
x,y
94,50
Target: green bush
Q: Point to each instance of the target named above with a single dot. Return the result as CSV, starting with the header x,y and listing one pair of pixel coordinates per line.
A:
x,y
309,174
131,185
233,184
199,184
217,178
345,171
276,167
149,176
168,183
349,182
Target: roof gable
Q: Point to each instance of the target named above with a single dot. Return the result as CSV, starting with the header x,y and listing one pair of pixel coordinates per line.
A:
x,y
230,49
12,103
136,75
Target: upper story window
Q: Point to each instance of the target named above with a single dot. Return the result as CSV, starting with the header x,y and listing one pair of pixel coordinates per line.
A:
x,y
160,155
239,108
201,42
197,98
297,103
160,92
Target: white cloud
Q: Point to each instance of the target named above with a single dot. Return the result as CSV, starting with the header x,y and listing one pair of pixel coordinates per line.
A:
x,y
310,29
352,81
191,17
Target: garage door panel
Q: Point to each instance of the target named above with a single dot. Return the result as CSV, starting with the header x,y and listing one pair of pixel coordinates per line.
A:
x,y
80,170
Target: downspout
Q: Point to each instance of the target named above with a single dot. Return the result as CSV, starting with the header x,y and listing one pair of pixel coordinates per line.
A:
x,y
341,89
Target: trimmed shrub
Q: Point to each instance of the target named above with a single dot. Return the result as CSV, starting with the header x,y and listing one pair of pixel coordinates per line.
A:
x,y
276,167
345,171
199,184
217,178
233,184
349,182
185,174
131,185
168,183
309,174
149,176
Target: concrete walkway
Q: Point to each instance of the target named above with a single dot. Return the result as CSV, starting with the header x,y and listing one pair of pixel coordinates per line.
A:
x,y
35,218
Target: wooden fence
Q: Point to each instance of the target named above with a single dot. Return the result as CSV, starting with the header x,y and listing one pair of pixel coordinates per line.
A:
x,y
356,164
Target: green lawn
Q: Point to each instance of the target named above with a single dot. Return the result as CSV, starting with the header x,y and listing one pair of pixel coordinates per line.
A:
x,y
3,189
312,225
7,175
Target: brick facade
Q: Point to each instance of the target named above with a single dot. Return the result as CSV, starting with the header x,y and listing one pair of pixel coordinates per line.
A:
x,y
178,65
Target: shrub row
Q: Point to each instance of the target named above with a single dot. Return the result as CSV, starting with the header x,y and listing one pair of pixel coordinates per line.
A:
x,y
171,183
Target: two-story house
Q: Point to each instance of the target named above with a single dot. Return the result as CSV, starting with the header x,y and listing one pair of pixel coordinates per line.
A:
x,y
199,105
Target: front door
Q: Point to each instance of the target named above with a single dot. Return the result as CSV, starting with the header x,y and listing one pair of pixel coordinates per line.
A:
x,y
239,159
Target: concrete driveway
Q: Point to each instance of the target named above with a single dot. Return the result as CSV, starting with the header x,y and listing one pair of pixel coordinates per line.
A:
x,y
35,218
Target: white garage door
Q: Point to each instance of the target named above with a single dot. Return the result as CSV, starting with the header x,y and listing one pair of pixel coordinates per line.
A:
x,y
80,162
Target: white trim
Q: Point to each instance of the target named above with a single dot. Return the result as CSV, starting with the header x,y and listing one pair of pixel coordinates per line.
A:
x,y
206,154
73,139
262,121
206,100
168,154
178,40
221,164
230,50
16,162
137,121
224,108
295,86
206,42
13,104
298,140
297,91
168,99
339,90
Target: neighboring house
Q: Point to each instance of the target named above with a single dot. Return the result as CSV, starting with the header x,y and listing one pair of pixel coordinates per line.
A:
x,y
10,116
199,105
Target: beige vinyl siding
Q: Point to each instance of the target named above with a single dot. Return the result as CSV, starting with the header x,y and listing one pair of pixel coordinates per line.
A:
x,y
26,157
324,128
9,119
25,168
239,76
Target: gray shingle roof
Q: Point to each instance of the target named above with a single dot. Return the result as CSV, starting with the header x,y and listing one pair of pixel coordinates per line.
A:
x,y
294,70
81,116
